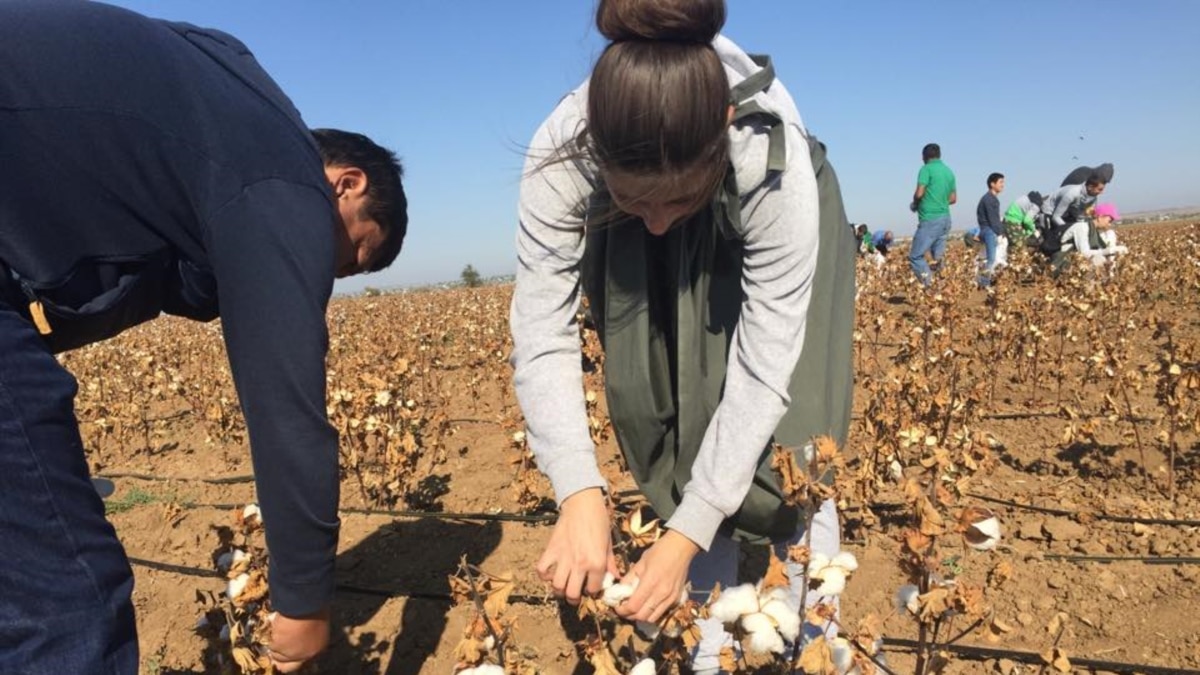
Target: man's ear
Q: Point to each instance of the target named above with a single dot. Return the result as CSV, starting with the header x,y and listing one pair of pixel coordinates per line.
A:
x,y
729,113
348,181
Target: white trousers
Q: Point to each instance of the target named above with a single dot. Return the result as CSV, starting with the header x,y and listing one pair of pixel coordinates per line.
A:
x,y
720,564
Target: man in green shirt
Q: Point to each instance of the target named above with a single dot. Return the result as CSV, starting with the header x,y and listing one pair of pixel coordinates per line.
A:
x,y
936,191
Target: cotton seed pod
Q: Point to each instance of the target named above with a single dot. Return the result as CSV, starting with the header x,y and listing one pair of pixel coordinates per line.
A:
x,y
833,581
767,641
644,667
618,593
831,573
734,602
236,585
757,621
846,561
786,617
907,599
980,528
251,515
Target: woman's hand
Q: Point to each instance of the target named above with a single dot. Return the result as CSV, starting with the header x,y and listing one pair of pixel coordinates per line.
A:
x,y
661,576
580,549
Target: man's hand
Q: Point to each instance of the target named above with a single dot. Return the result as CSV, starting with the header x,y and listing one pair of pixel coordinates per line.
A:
x,y
661,575
296,640
580,549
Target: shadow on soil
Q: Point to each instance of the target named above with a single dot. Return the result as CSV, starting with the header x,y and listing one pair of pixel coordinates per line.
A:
x,y
411,558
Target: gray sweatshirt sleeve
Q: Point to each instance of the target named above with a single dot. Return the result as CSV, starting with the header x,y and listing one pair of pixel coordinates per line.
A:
x,y
1061,201
546,361
780,237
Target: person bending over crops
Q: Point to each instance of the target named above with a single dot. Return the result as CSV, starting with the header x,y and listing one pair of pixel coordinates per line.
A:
x,y
679,192
1092,238
153,167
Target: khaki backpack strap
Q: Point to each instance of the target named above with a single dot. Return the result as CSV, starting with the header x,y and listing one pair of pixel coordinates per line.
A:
x,y
742,98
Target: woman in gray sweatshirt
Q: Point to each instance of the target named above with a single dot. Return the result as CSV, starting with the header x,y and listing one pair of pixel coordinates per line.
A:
x,y
678,190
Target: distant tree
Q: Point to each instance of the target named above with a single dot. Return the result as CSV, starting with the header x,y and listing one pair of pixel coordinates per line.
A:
x,y
371,292
470,277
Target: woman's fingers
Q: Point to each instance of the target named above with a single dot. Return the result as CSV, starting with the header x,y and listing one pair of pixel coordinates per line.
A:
x,y
546,565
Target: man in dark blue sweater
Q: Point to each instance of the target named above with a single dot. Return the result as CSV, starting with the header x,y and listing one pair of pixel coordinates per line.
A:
x,y
152,167
991,228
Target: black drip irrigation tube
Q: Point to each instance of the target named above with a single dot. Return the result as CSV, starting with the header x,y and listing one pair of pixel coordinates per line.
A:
x,y
1097,516
1149,560
983,653
440,515
225,480
189,571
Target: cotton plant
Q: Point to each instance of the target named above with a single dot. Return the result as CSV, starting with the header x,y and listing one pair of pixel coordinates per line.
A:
x,y
237,620
767,616
831,572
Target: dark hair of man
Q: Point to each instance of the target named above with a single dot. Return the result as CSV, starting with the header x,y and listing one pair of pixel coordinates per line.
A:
x,y
993,177
386,203
658,96
931,151
1095,180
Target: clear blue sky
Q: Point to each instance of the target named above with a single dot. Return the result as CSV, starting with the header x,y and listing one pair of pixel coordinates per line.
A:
x,y
457,87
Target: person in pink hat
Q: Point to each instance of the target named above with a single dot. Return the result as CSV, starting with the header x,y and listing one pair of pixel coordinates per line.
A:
x,y
1093,238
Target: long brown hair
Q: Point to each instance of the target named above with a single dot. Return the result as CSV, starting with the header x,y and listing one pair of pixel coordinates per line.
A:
x,y
658,95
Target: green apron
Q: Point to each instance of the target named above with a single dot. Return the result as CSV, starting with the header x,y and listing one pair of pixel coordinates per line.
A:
x,y
665,309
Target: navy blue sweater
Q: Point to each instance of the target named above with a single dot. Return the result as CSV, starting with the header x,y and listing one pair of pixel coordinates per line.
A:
x,y
147,167
987,214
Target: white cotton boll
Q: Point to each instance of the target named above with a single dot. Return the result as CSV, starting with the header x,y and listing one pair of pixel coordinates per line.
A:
x,y
843,656
251,514
764,642
845,560
489,643
908,598
786,617
609,580
236,585
833,581
780,593
489,669
647,630
988,534
618,593
644,667
734,602
817,564
756,622
239,555
896,471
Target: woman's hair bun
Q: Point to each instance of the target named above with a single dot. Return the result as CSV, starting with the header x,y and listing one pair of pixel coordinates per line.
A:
x,y
696,21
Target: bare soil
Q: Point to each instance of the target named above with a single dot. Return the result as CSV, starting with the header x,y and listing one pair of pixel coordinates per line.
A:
x,y
156,387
